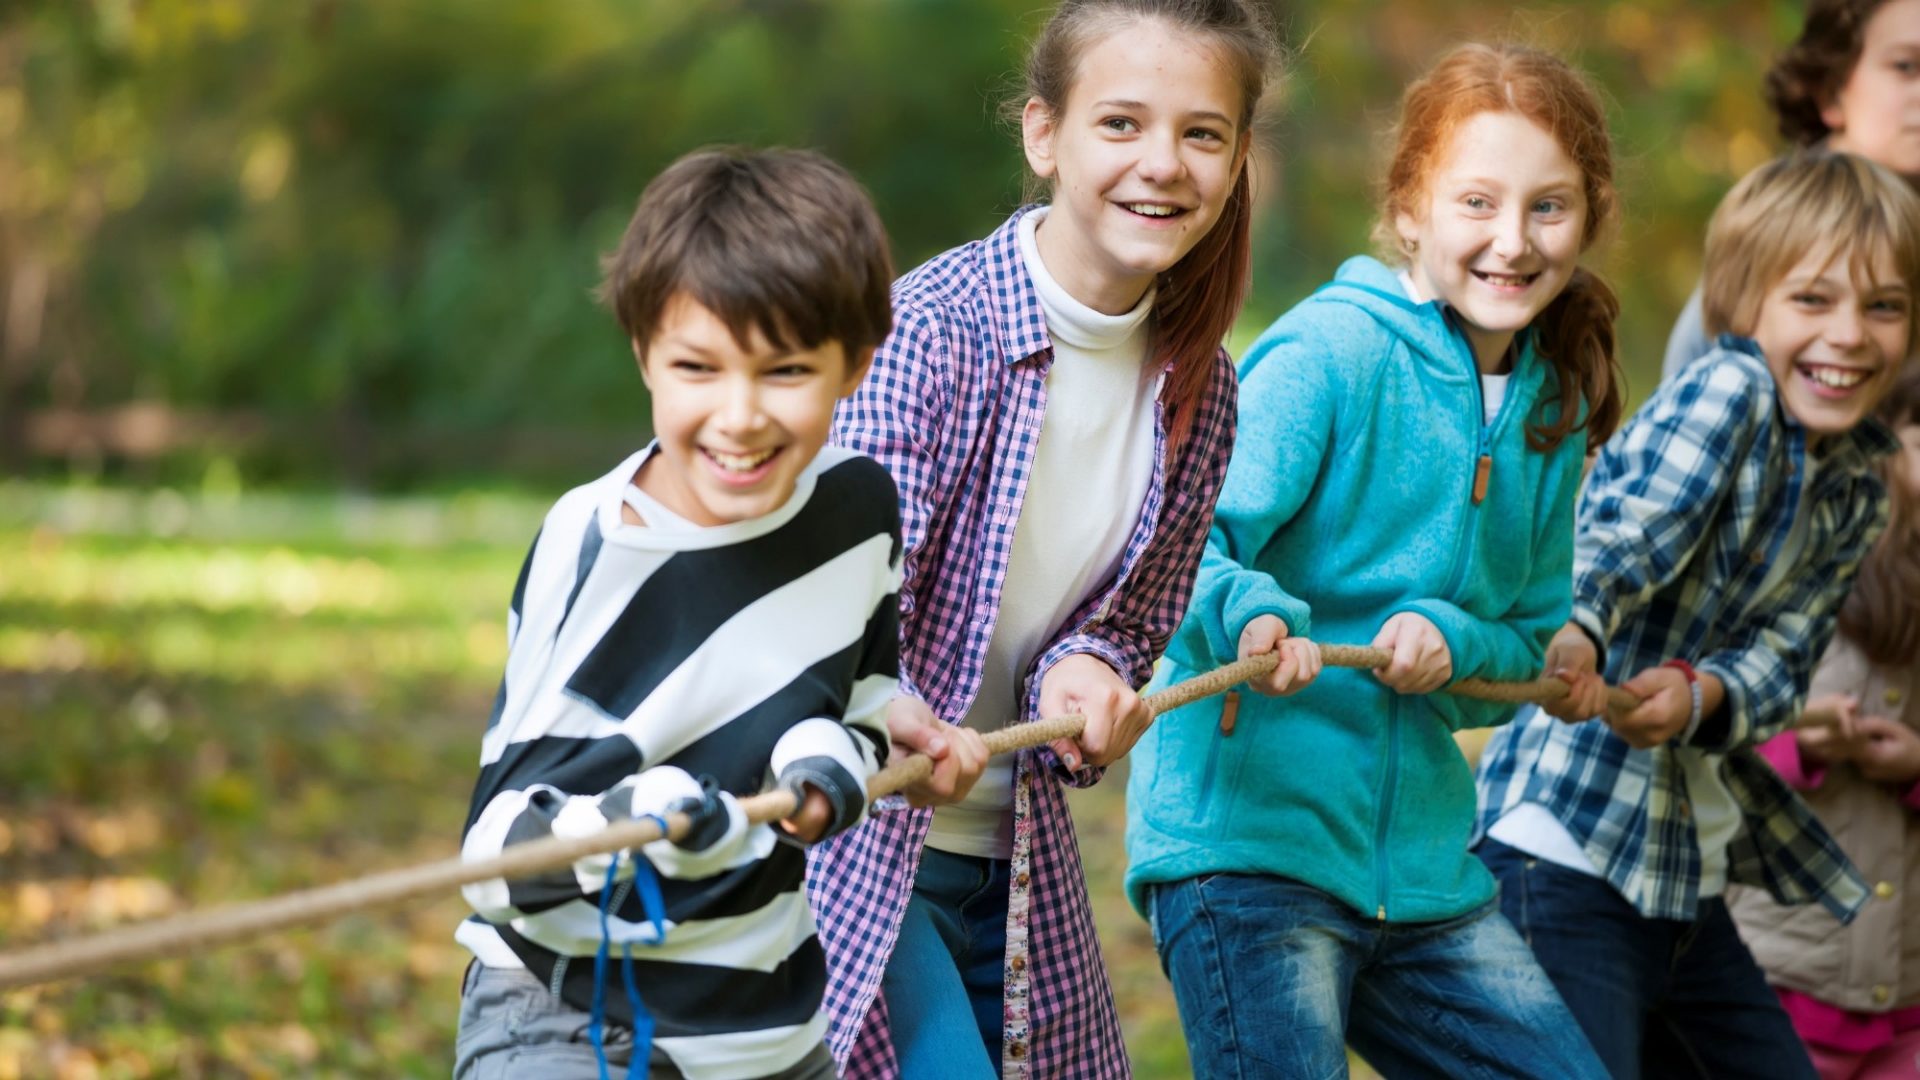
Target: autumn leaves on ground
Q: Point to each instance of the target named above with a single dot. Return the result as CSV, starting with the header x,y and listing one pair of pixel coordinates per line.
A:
x,y
214,698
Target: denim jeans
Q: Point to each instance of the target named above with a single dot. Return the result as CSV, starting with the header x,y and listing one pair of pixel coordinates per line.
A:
x,y
1657,997
944,984
1275,979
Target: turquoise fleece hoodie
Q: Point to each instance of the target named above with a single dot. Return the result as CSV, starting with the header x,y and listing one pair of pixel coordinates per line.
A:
x,y
1350,499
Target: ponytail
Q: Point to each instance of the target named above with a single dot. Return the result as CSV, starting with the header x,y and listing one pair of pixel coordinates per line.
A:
x,y
1576,335
1195,304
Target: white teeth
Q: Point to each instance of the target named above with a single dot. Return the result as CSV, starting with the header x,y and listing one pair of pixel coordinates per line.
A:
x,y
1152,209
740,462
1836,378
1506,280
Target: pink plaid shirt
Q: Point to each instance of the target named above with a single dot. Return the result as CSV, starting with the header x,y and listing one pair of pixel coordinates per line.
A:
x,y
953,408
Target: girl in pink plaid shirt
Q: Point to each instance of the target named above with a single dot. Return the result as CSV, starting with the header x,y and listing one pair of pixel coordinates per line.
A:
x,y
1050,551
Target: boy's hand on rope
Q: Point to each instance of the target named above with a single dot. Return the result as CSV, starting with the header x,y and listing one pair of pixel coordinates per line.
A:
x,y
1572,659
959,754
1891,751
1299,658
1421,661
1116,717
1666,704
809,823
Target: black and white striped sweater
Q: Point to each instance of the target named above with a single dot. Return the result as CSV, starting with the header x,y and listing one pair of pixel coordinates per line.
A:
x,y
640,659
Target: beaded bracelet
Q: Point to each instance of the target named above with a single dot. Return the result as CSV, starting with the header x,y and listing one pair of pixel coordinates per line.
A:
x,y
1693,688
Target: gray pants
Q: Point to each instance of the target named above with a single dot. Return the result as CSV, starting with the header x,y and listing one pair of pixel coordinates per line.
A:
x,y
511,1026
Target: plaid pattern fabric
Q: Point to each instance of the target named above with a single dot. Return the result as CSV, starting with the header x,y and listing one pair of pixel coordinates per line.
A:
x,y
953,408
1686,510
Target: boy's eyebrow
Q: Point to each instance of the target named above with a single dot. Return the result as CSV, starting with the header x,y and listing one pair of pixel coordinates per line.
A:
x,y
686,344
1141,106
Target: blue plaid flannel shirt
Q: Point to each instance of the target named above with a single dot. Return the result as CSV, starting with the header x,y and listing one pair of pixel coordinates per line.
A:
x,y
1687,508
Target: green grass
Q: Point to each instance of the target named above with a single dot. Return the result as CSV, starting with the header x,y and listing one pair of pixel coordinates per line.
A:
x,y
206,701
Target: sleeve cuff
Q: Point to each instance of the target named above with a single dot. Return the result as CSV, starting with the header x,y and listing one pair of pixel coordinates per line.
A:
x,y
1783,753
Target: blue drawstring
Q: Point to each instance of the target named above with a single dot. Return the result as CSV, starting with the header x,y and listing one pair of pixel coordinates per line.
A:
x,y
655,906
600,972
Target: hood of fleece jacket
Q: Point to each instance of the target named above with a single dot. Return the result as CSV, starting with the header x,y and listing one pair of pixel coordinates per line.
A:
x,y
1431,336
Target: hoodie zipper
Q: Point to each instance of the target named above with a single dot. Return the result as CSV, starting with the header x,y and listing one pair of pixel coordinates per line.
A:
x,y
1476,494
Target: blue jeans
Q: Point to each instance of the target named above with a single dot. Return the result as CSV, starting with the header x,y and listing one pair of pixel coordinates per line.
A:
x,y
1276,978
1657,997
944,984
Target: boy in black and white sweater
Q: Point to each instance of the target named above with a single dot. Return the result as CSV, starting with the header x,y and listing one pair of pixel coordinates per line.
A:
x,y
718,614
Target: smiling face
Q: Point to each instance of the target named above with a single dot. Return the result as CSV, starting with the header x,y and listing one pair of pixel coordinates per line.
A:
x,y
1876,112
736,425
1500,229
1835,344
1142,155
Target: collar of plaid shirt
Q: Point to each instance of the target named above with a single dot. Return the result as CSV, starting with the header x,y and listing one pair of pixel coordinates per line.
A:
x,y
953,408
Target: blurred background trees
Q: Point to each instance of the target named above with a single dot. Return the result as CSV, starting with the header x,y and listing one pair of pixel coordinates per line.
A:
x,y
320,242
253,252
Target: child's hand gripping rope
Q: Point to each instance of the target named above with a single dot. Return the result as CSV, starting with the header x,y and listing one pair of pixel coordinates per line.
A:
x,y
199,930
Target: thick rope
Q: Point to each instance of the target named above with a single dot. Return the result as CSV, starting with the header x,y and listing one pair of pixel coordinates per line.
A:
x,y
197,931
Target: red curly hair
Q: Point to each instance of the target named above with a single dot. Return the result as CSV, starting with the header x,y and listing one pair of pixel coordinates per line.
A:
x,y
1575,333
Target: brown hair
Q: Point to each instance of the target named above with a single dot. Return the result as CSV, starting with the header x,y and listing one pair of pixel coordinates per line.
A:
x,y
1808,73
1197,300
1803,202
1882,613
783,241
1575,332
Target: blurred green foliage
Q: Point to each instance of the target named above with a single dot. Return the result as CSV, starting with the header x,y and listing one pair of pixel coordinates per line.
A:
x,y
362,235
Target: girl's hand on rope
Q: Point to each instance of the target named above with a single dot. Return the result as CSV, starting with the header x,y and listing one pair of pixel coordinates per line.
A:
x,y
1116,717
1573,660
959,754
1838,738
1299,658
1421,662
1666,704
809,823
1891,754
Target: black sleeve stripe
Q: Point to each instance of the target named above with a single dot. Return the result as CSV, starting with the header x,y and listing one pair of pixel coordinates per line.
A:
x,y
575,766
550,888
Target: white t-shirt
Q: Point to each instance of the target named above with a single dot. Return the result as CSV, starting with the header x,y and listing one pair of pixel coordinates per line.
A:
x,y
1091,470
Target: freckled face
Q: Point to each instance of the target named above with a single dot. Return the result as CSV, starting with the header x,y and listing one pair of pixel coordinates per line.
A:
x,y
1142,156
1499,232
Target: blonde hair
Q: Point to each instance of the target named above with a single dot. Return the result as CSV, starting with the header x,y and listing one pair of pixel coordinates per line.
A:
x,y
1798,203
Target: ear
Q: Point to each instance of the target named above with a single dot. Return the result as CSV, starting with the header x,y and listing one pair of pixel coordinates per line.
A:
x,y
1832,115
1241,151
858,364
1036,137
1407,227
640,358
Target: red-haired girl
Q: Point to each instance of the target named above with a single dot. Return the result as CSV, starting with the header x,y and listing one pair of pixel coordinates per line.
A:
x,y
1411,441
1057,411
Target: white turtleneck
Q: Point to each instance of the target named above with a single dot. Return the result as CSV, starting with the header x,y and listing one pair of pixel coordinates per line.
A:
x,y
1090,474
